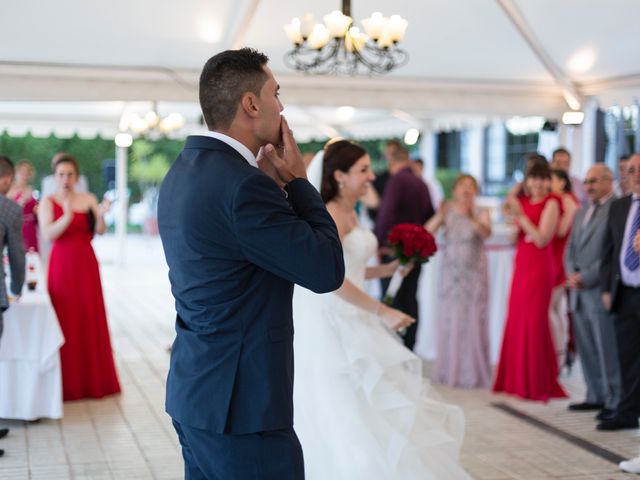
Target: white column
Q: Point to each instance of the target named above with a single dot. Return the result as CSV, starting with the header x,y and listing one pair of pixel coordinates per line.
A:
x,y
497,152
473,152
123,142
428,152
571,139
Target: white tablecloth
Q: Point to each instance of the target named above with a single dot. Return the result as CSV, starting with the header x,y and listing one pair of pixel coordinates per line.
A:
x,y
30,372
500,254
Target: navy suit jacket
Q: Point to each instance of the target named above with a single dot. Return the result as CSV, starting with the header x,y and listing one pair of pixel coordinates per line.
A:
x,y
235,245
610,270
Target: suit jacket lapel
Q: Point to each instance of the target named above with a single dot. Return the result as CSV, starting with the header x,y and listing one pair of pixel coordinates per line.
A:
x,y
624,213
590,227
578,227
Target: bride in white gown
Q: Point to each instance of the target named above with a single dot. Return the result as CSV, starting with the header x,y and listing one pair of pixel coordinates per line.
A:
x,y
363,410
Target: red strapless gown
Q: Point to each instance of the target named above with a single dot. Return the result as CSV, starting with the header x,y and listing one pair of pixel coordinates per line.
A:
x,y
88,370
29,221
528,367
558,245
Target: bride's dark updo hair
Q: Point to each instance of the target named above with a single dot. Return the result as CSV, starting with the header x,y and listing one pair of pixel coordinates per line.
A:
x,y
340,155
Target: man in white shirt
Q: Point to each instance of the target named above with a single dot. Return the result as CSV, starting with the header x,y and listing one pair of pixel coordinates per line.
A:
x,y
595,334
561,159
620,284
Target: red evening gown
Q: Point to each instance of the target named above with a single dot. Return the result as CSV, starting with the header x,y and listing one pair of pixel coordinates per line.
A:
x,y
29,221
88,370
528,367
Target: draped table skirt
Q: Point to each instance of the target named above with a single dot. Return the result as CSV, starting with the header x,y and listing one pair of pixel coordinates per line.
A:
x,y
30,370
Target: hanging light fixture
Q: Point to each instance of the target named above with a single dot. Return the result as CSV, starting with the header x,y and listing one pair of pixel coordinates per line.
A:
x,y
337,46
152,123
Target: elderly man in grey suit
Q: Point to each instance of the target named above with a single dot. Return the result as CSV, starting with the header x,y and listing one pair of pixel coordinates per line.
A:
x,y
11,237
595,334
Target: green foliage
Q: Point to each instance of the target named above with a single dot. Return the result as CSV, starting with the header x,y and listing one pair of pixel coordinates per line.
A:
x,y
151,171
446,177
375,148
149,166
92,155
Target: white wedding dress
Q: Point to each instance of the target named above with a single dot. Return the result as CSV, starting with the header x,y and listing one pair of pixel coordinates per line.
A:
x,y
362,409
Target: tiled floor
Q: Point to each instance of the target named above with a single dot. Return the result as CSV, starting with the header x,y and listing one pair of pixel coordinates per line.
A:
x,y
130,436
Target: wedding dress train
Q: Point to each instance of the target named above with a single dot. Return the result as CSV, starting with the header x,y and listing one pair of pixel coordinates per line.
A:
x,y
361,405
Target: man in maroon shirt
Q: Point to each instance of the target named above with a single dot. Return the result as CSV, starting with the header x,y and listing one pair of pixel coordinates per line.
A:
x,y
405,200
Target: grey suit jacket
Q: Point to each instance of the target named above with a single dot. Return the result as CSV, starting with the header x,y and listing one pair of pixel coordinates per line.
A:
x,y
584,251
11,237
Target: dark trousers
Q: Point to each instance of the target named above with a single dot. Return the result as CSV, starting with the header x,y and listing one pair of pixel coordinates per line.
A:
x,y
273,455
627,326
406,300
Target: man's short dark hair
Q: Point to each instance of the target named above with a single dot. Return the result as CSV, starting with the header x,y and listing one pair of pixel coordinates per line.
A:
x,y
397,151
560,150
224,79
419,161
6,166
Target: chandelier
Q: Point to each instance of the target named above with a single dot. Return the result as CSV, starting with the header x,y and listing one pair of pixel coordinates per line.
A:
x,y
338,46
152,123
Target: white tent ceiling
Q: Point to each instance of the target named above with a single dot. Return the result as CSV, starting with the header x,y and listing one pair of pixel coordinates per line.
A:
x,y
470,60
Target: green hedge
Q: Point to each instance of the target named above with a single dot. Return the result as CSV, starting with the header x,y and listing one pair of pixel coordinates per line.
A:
x,y
90,153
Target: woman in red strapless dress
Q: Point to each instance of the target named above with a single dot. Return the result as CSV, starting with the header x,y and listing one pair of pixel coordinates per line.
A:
x,y
69,218
528,367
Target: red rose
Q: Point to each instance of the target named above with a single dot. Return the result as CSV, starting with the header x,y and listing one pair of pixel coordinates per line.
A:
x,y
412,242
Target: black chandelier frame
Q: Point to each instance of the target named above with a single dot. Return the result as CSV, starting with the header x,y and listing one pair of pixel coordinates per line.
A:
x,y
335,58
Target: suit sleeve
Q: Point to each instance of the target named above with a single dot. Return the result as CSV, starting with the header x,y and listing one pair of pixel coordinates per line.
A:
x,y
15,250
388,205
296,240
607,257
570,252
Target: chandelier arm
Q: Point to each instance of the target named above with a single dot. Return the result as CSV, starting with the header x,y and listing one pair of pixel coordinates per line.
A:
x,y
298,57
382,60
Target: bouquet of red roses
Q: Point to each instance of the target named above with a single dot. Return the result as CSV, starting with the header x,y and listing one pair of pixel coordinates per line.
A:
x,y
410,243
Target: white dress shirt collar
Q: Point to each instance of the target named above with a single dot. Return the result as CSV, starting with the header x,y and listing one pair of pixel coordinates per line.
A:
x,y
606,198
592,208
235,144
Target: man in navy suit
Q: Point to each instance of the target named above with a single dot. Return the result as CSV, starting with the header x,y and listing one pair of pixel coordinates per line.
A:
x,y
620,284
236,239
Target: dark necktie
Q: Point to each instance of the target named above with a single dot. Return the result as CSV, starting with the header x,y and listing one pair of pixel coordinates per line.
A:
x,y
596,207
631,258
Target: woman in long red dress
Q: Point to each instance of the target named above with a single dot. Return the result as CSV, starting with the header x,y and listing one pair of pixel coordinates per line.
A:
x,y
528,366
70,218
